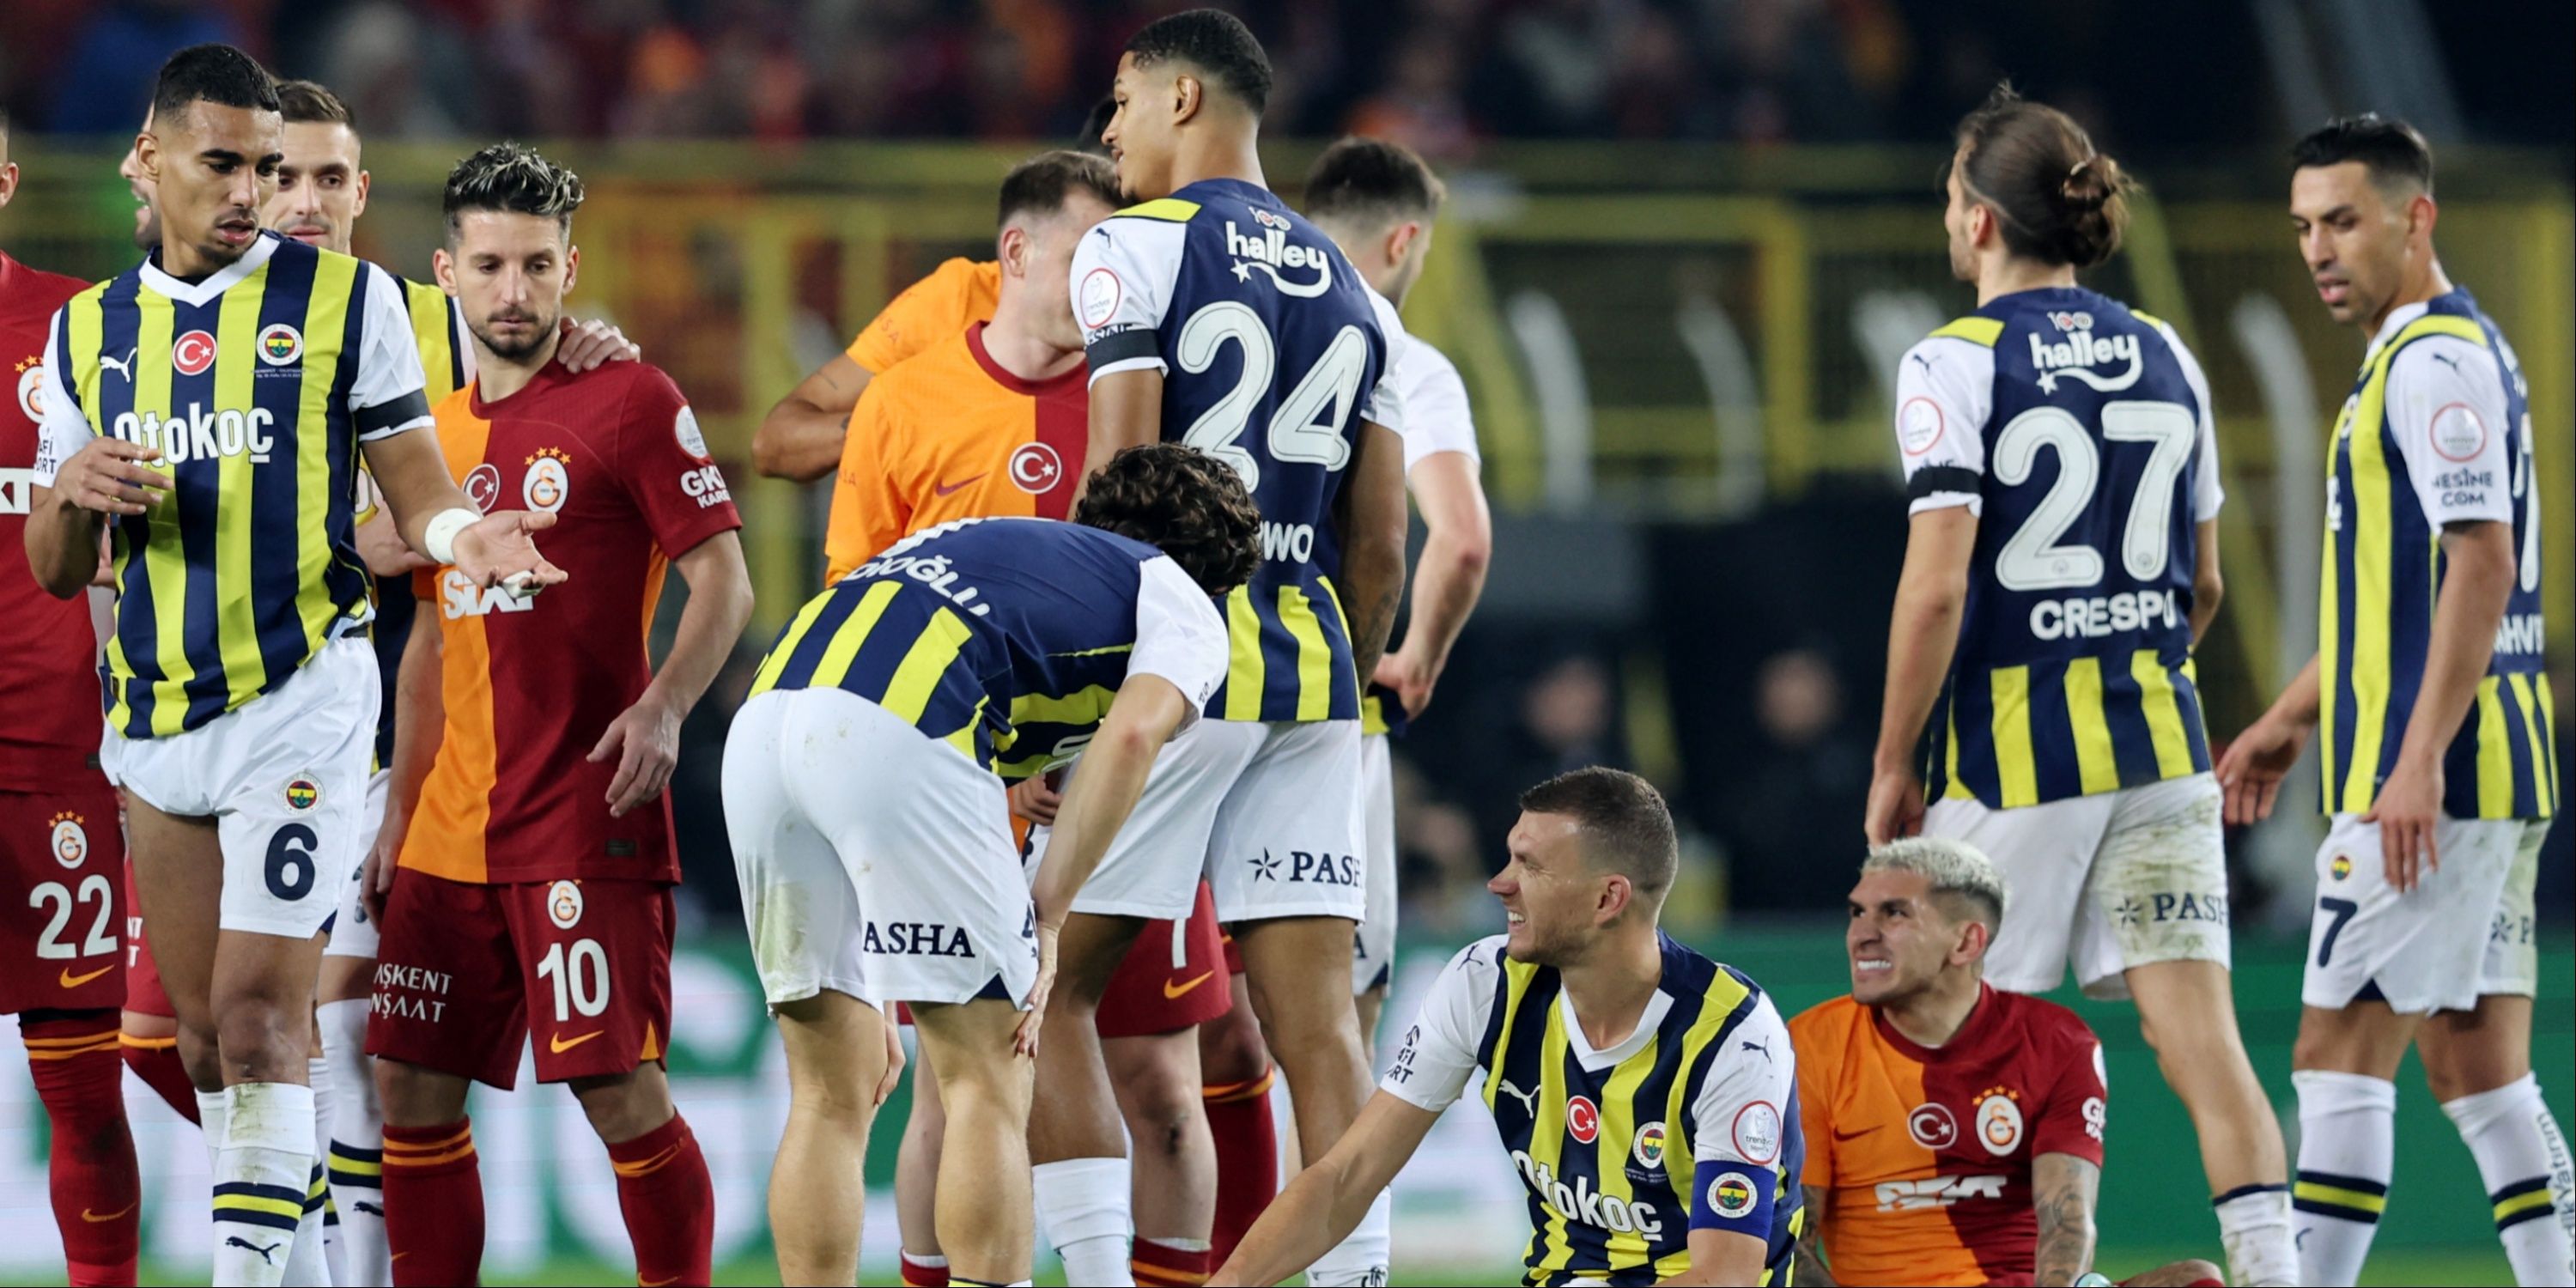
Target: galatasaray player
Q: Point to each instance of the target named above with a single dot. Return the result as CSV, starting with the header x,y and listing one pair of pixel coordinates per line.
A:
x,y
62,848
1954,1131
530,864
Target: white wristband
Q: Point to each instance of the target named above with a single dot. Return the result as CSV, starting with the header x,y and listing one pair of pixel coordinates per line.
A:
x,y
438,541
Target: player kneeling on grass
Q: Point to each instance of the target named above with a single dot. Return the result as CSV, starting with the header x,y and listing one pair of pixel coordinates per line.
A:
x,y
1954,1130
1646,1093
873,837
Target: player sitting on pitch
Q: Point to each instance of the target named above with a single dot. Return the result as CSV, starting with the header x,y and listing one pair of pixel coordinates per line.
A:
x,y
1955,1129
1609,1051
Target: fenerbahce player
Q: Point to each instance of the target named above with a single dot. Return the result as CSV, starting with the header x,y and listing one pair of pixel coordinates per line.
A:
x,y
530,866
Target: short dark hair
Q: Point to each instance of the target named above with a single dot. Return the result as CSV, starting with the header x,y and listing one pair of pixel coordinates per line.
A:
x,y
511,178
2060,201
1215,42
218,74
304,102
1095,125
1373,181
1183,500
1042,184
2390,149
1621,820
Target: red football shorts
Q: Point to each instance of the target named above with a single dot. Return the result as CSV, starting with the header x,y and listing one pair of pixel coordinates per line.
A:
x,y
143,992
467,972
63,856
1174,976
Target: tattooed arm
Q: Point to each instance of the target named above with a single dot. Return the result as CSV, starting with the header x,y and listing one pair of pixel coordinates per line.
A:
x,y
2063,1189
1810,1265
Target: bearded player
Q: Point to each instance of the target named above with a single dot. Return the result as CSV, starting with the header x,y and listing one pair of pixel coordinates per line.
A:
x,y
530,863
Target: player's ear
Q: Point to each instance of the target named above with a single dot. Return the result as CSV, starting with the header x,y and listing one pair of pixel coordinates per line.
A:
x,y
363,184
1399,239
572,267
2420,215
8,181
1974,939
1011,249
442,269
1617,893
1188,93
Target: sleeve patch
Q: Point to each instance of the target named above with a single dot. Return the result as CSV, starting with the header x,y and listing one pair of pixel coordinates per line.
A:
x,y
2458,434
1920,425
1757,1132
1101,292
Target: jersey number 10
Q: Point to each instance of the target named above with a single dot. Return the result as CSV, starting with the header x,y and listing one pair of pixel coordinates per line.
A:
x,y
2031,559
1300,430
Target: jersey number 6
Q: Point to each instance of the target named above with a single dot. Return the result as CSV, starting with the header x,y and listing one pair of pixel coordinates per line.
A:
x,y
2031,559
1299,430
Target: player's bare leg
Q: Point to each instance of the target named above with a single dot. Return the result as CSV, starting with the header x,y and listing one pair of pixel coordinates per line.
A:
x,y
1235,1066
1370,1005
984,1191
1313,1031
817,1195
916,1178
1156,1078
2187,1012
1074,1132
2478,1065
2181,1274
2345,1066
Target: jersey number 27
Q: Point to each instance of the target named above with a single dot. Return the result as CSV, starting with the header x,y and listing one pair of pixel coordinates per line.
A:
x,y
2031,559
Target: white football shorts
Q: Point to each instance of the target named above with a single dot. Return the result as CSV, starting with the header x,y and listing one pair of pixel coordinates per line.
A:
x,y
1373,949
2434,948
352,935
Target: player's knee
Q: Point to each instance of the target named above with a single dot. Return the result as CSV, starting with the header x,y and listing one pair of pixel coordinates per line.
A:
x,y
985,1085
1162,1117
260,1039
415,1097
1231,1049
623,1106
2194,1272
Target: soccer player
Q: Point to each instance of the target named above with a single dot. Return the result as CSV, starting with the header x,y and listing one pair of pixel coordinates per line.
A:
x,y
1954,1130
207,409
2062,460
1611,1053
1377,201
1215,317
2440,768
523,879
321,191
61,846
934,665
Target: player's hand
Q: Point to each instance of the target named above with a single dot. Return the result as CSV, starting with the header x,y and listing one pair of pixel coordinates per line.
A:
x,y
1895,806
498,547
2253,766
1025,1042
109,476
894,1061
1412,678
645,739
1035,800
2407,809
376,879
593,343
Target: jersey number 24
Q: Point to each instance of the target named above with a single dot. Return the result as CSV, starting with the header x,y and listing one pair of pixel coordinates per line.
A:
x,y
1300,430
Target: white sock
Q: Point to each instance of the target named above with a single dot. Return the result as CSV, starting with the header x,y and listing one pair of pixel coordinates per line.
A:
x,y
317,1073
210,1124
1362,1258
2254,1224
2347,1152
263,1173
1082,1211
2523,1161
354,1156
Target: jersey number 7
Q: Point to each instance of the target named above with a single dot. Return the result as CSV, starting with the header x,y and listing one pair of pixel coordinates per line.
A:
x,y
1299,430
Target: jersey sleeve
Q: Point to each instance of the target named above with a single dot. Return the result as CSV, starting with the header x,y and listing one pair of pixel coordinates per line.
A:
x,y
1740,1131
390,394
1122,279
2206,491
869,511
1179,634
65,428
1436,416
2446,409
931,309
1945,387
1385,404
662,459
2072,1120
1438,1054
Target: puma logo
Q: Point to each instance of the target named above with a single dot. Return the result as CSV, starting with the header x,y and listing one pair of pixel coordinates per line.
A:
x,y
2452,363
1763,1046
1921,358
369,1208
122,366
237,1241
1528,1099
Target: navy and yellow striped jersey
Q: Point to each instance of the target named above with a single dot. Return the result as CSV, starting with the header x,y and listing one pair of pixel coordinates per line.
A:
x,y
2437,431
1273,351
257,385
446,364
1005,639
2080,433
1691,1122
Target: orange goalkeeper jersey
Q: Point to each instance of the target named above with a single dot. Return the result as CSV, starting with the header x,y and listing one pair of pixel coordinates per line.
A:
x,y
957,294
1924,1155
948,434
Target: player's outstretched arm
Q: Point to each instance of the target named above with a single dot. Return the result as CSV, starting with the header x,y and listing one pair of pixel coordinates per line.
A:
x,y
437,519
800,438
1448,578
420,726
2257,760
1372,513
1811,1271
645,738
1922,636
2063,1190
2477,582
1325,1202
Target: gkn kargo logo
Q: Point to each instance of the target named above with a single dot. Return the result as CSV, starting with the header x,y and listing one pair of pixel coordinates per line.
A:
x,y
705,485
1581,1203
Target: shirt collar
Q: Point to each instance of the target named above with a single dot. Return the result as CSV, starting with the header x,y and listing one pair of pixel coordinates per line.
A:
x,y
2397,320
1647,1022
222,280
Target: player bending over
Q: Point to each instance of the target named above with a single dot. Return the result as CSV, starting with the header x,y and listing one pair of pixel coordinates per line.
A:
x,y
2440,756
2062,561
873,838
522,879
1954,1130
1647,1094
